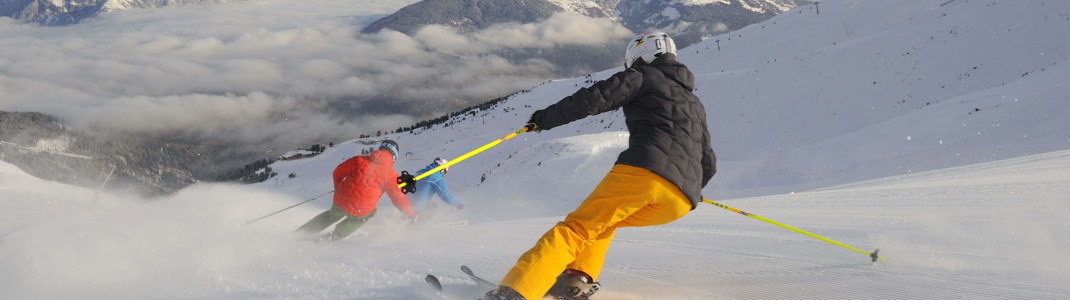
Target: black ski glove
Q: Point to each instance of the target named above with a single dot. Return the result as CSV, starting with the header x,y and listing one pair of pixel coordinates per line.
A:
x,y
409,181
531,126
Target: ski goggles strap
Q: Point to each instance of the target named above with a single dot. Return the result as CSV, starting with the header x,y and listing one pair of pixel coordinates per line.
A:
x,y
393,150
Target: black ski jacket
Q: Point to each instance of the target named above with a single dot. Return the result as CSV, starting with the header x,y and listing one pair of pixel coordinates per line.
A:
x,y
666,121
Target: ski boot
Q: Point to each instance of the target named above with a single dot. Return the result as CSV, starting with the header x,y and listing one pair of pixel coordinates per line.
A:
x,y
573,285
503,293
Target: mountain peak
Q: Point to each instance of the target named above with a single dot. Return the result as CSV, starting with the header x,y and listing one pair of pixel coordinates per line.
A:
x,y
464,14
67,12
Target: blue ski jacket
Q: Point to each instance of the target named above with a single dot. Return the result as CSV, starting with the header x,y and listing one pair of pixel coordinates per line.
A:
x,y
432,183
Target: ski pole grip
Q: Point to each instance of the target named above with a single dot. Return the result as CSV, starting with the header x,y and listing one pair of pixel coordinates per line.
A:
x,y
407,182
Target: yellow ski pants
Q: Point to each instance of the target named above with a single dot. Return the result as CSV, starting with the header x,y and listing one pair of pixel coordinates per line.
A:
x,y
627,196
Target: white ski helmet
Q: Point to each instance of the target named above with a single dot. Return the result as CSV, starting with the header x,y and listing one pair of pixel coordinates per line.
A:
x,y
442,161
648,46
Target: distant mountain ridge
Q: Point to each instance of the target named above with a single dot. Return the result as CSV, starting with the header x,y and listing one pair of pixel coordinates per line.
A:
x,y
66,12
689,21
45,147
467,15
692,21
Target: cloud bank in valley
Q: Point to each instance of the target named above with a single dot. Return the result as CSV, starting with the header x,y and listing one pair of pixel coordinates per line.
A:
x,y
267,71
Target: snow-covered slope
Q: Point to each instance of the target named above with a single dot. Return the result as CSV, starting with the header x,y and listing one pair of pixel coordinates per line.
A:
x,y
26,197
989,231
871,112
876,88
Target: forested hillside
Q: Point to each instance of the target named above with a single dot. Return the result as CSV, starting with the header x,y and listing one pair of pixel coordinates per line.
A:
x,y
43,146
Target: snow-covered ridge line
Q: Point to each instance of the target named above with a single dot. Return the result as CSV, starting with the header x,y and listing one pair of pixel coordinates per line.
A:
x,y
58,149
116,5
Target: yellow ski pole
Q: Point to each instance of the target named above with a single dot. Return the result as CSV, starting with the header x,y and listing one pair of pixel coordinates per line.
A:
x,y
407,183
873,255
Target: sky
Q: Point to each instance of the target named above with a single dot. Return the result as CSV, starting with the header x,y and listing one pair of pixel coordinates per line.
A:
x,y
269,72
965,196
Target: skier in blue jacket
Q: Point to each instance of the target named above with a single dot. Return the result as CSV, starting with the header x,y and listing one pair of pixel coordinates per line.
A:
x,y
433,183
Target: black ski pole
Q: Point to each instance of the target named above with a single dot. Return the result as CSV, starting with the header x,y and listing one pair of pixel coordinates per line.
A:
x,y
284,209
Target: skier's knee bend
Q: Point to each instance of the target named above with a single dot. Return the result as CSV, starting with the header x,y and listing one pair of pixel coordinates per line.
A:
x,y
584,231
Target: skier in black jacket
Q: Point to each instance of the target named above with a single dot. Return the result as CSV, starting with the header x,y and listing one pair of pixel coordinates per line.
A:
x,y
657,180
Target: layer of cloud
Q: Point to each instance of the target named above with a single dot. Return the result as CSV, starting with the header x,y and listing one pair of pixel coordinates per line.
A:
x,y
251,71
558,30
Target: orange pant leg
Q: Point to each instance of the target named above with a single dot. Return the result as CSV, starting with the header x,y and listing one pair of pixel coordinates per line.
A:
x,y
627,196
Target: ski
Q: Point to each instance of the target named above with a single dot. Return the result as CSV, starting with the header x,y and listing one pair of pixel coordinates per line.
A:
x,y
481,284
487,284
433,282
479,280
460,223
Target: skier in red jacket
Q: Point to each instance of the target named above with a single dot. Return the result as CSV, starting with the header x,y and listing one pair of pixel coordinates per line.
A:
x,y
359,182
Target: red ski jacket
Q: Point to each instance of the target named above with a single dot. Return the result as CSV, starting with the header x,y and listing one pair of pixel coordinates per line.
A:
x,y
360,181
